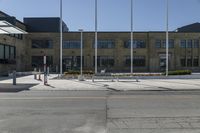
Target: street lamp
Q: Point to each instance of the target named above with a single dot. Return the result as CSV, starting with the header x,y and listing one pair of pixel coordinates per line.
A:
x,y
167,37
95,36
81,69
131,36
61,38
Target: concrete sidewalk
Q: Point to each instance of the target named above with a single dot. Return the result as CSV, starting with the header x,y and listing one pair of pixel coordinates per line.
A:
x,y
29,83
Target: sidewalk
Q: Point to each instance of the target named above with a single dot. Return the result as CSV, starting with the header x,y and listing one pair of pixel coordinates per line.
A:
x,y
29,83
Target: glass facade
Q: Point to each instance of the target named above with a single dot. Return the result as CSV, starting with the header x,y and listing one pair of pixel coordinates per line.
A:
x,y
18,36
104,61
7,54
1,51
72,63
191,62
162,43
183,44
71,44
38,61
136,44
196,43
189,43
138,61
105,44
42,44
183,62
195,62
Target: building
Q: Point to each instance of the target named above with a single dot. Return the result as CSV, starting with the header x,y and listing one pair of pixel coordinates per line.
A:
x,y
43,38
12,48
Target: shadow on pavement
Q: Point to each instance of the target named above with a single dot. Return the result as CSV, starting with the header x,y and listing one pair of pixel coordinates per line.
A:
x,y
9,88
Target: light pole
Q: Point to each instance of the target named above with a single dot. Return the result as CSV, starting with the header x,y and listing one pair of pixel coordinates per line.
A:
x,y
167,37
61,38
96,37
131,36
81,69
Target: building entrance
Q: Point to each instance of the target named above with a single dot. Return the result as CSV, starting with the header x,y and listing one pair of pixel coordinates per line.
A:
x,y
71,63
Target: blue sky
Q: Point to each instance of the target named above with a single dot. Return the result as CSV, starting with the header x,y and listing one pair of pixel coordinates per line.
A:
x,y
113,15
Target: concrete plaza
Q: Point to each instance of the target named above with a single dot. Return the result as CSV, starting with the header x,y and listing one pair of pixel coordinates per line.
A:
x,y
29,83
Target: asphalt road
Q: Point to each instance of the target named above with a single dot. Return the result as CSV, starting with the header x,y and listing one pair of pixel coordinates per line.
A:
x,y
100,112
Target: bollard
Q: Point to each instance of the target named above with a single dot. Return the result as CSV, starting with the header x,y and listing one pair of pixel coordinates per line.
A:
x,y
56,69
14,77
39,74
137,79
35,76
45,76
47,71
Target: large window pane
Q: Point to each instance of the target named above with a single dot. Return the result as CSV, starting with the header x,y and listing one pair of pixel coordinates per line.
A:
x,y
72,63
196,62
7,52
196,43
38,61
1,51
105,61
158,43
183,62
105,44
12,52
162,43
138,61
136,44
183,44
42,44
189,62
189,44
72,44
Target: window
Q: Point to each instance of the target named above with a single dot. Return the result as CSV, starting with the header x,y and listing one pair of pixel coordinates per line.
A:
x,y
171,43
183,62
196,43
158,43
105,44
136,44
162,43
183,44
7,54
72,44
138,61
104,61
72,63
12,52
189,62
1,51
18,36
42,44
189,43
196,62
38,61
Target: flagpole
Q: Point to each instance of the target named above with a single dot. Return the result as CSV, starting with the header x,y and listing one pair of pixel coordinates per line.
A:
x,y
167,38
131,36
61,38
96,70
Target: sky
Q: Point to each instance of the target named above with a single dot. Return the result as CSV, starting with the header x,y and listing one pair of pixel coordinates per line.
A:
x,y
113,15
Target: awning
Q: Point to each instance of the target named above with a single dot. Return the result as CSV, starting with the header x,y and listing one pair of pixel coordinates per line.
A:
x,y
7,28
